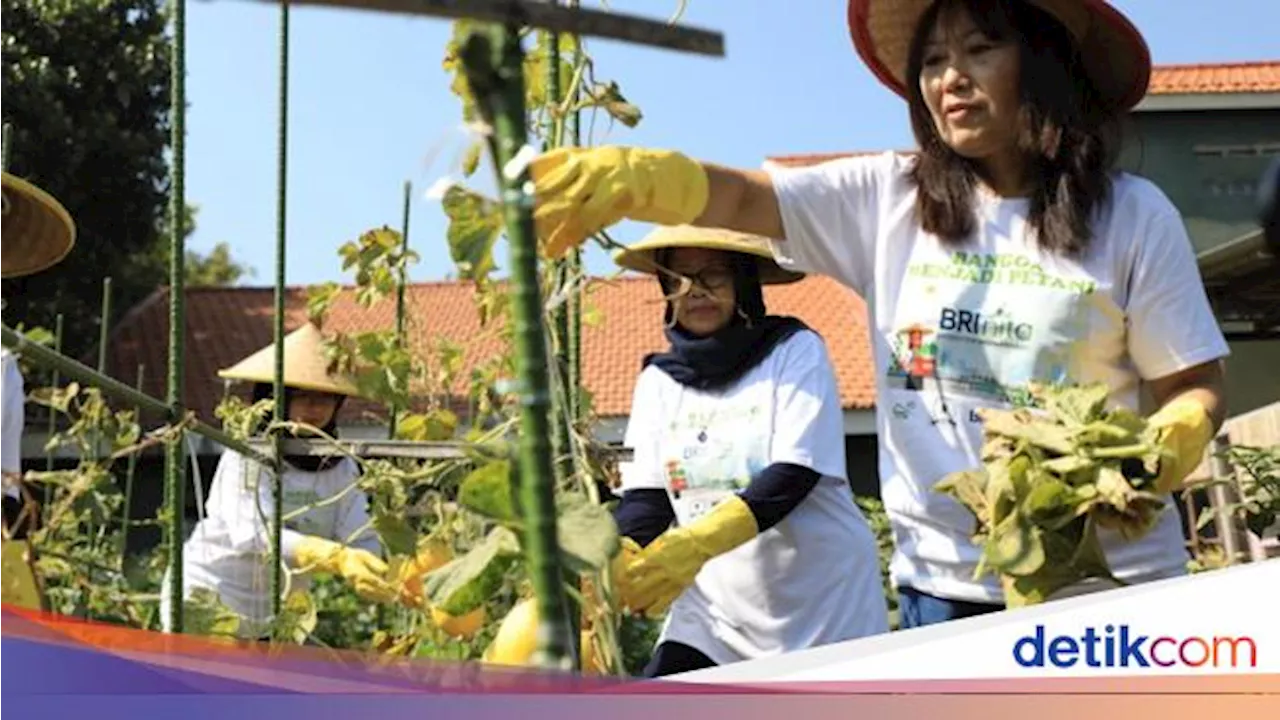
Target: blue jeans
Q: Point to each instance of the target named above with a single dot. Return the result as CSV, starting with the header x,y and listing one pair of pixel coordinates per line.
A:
x,y
917,609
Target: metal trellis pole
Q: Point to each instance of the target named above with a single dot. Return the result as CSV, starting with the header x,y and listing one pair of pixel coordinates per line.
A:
x,y
175,458
281,410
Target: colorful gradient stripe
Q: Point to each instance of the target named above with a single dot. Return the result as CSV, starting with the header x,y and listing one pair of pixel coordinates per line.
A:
x,y
61,667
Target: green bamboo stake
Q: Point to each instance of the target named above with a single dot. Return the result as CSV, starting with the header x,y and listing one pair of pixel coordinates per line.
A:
x,y
573,129
104,331
104,328
493,62
130,469
280,411
55,382
559,317
175,459
401,281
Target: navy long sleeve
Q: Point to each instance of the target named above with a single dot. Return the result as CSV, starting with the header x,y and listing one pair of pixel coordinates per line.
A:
x,y
777,490
645,513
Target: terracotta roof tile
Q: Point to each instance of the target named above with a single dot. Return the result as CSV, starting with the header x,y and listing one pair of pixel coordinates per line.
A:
x,y
1242,77
226,324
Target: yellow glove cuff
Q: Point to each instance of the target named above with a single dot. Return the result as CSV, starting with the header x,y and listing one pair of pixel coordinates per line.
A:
x,y
1185,432
726,526
673,189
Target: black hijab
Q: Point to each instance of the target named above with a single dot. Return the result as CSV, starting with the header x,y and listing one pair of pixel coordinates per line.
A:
x,y
308,463
715,361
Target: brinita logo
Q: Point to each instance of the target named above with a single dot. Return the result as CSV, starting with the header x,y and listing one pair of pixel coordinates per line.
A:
x,y
998,327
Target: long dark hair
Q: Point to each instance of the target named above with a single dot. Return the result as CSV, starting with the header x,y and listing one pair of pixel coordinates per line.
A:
x,y
1070,139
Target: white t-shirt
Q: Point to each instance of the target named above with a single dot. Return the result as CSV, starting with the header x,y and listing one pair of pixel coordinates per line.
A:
x,y
810,580
228,550
14,402
956,331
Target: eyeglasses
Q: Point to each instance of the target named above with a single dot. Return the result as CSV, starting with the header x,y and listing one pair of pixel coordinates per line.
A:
x,y
711,278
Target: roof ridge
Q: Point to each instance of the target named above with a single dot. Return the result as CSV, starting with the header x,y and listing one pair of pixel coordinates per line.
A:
x,y
1218,65
218,289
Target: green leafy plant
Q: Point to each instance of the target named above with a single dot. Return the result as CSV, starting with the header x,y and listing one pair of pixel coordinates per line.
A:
x,y
1053,473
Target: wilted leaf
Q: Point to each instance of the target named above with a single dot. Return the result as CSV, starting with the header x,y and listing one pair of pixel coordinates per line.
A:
x,y
1076,406
475,223
1016,547
434,426
1051,504
609,96
467,582
969,488
586,532
488,489
396,534
1023,425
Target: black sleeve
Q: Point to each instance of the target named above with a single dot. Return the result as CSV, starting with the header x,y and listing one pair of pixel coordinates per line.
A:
x,y
777,490
644,514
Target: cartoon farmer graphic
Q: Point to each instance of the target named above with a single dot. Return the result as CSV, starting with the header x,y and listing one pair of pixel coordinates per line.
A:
x,y
918,359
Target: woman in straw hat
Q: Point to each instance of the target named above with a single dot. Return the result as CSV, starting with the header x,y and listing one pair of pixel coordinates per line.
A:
x,y
1010,233
736,512
326,518
38,233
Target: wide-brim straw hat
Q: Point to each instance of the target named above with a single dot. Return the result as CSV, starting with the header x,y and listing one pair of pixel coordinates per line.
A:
x,y
1114,53
642,256
37,231
305,366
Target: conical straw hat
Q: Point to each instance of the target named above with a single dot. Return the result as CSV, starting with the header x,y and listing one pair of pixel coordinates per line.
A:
x,y
642,256
37,231
1113,51
305,366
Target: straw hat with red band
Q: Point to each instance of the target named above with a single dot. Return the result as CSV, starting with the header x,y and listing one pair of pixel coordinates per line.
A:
x,y
1113,51
38,231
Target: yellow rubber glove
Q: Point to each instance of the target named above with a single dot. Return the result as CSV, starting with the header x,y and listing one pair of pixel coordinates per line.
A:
x,y
581,191
1185,430
657,575
364,570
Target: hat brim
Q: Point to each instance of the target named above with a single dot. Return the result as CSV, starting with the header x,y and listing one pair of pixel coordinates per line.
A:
x,y
1114,53
642,256
305,367
38,231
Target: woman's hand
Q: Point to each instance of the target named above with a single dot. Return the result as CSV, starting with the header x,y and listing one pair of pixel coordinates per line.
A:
x,y
362,569
1191,409
659,573
581,191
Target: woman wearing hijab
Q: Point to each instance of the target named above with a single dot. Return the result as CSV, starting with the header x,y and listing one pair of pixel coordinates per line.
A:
x,y
1010,236
228,553
38,233
736,512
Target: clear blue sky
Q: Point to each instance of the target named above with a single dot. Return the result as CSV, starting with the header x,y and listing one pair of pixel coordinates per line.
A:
x,y
369,101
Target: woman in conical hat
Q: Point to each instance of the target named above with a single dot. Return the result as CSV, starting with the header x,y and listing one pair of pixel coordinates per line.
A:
x,y
1011,227
736,512
326,520
37,233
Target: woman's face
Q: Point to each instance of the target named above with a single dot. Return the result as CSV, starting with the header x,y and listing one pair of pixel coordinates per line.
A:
x,y
970,85
709,304
312,408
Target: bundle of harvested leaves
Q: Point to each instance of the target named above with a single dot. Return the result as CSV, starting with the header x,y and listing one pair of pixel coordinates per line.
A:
x,y
1052,473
